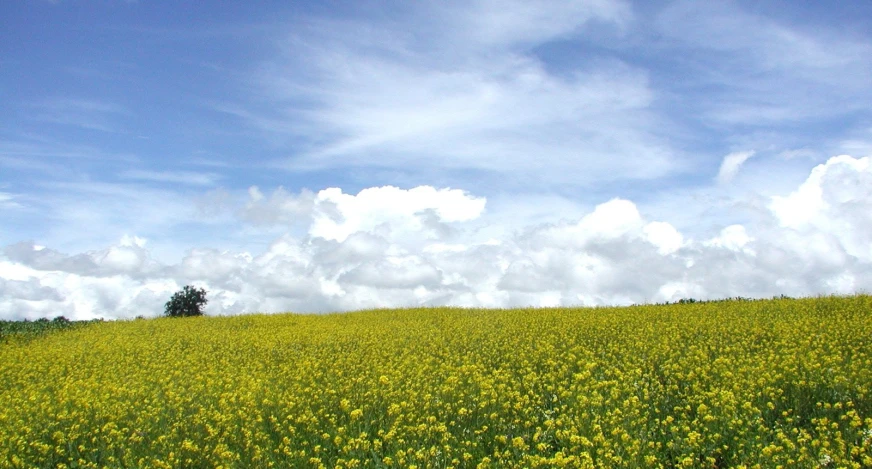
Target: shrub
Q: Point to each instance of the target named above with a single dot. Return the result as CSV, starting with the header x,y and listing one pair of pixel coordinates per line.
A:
x,y
186,302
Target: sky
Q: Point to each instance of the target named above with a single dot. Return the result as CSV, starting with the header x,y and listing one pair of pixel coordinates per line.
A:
x,y
333,156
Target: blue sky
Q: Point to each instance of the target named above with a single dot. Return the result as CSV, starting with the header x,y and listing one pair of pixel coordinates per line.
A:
x,y
339,155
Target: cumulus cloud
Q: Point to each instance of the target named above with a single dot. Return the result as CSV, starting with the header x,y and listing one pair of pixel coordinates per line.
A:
x,y
280,208
386,246
34,292
421,210
733,238
836,199
128,257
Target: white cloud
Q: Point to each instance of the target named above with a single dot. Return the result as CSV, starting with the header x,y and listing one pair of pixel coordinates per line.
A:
x,y
464,89
67,289
7,201
859,143
84,216
507,23
731,165
177,177
28,290
87,114
734,238
280,208
664,236
835,199
797,153
405,272
128,257
379,248
762,70
333,215
421,210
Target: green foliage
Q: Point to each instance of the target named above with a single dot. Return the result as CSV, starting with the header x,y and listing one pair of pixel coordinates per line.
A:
x,y
39,327
186,302
685,301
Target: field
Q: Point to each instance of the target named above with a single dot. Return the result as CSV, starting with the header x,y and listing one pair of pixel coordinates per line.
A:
x,y
726,384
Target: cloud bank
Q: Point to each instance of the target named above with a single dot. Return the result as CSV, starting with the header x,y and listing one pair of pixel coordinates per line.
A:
x,y
390,247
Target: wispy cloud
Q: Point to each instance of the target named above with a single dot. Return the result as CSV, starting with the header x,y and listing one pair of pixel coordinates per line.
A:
x,y
80,215
7,201
175,177
465,92
731,165
37,160
760,71
81,113
42,148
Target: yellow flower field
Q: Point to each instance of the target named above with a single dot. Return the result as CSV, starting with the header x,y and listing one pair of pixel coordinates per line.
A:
x,y
775,383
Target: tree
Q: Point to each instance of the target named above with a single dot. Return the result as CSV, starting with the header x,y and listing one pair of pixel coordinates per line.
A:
x,y
187,302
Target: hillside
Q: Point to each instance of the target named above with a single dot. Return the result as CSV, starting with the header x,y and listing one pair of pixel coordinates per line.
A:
x,y
725,384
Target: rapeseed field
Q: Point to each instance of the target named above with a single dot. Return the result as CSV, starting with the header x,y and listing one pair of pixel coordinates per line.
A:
x,y
775,383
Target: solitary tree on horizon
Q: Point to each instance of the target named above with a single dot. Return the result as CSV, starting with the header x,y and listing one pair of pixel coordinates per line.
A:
x,y
186,302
